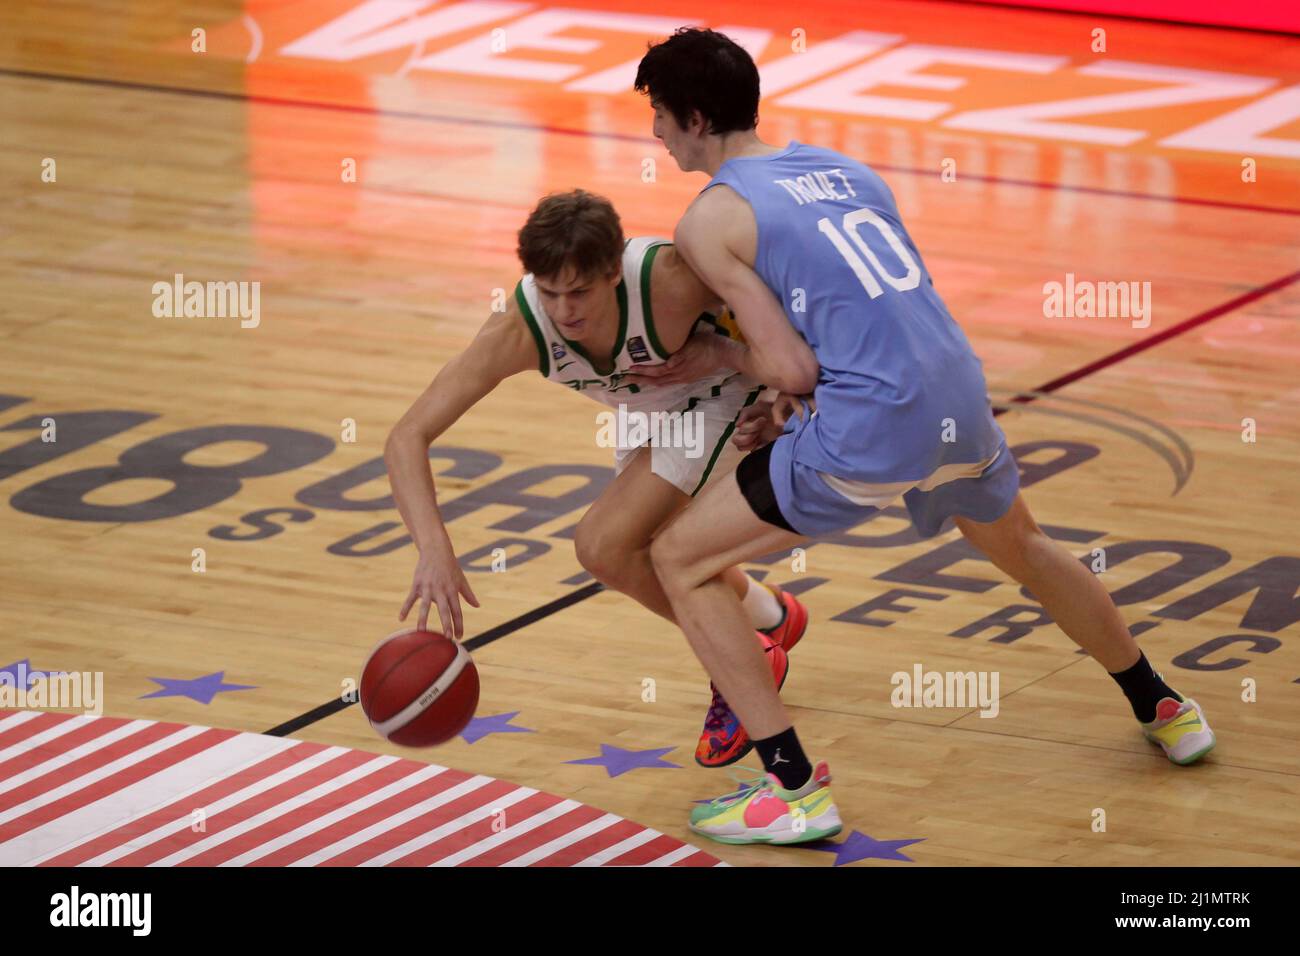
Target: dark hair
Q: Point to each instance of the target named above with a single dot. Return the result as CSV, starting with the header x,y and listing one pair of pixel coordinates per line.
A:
x,y
578,229
702,70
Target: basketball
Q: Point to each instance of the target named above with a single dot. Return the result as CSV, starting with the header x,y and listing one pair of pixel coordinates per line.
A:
x,y
419,688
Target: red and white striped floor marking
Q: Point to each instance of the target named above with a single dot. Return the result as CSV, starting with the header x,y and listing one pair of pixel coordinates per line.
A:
x,y
618,849
336,816
352,846
279,809
503,801
97,791
165,798
70,780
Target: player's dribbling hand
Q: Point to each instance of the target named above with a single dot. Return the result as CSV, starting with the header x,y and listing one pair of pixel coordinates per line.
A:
x,y
439,581
698,358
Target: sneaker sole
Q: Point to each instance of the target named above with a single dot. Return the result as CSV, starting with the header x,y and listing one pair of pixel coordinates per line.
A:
x,y
741,755
1191,759
810,835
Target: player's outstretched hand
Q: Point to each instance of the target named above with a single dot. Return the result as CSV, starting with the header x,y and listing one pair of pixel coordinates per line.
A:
x,y
698,358
439,581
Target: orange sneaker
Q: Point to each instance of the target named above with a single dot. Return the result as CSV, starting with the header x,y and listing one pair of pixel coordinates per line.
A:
x,y
793,622
723,740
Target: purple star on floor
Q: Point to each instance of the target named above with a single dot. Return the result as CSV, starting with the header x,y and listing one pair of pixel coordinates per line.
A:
x,y
21,671
202,689
859,846
616,760
480,727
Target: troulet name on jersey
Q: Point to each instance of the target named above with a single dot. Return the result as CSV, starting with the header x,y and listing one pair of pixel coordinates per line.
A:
x,y
816,186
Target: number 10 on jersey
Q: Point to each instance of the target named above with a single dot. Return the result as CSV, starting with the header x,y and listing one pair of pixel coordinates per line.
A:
x,y
859,258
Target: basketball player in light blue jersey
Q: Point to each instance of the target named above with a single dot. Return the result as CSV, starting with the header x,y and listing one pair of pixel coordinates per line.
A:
x,y
807,248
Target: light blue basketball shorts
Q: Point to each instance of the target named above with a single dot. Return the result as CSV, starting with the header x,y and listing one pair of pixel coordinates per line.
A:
x,y
814,503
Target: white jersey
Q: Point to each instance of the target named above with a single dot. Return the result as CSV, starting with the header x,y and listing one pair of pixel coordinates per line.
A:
x,y
568,363
716,400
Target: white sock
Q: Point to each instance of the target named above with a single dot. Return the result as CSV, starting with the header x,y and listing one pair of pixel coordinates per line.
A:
x,y
762,606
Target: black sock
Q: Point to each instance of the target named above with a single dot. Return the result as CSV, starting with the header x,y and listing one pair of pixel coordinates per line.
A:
x,y
783,756
1144,688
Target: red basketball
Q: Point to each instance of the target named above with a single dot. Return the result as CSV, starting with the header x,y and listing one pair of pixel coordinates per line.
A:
x,y
419,688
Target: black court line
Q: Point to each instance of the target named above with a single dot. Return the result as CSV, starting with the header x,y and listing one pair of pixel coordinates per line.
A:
x,y
472,644
597,134
1022,398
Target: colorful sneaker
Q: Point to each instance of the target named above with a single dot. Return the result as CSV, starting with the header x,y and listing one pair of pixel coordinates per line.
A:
x,y
793,622
1181,729
723,740
761,811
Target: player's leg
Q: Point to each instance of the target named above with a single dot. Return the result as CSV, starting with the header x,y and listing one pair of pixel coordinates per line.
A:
x,y
613,543
791,802
1068,591
613,538
717,532
1082,607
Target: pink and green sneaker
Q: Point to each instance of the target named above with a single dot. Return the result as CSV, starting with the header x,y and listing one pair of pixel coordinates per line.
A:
x,y
761,811
1181,730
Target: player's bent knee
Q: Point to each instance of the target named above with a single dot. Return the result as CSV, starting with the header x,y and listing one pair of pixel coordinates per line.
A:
x,y
665,555
601,555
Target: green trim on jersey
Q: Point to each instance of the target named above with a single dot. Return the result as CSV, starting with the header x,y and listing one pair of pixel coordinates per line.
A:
x,y
647,264
618,343
543,359
717,450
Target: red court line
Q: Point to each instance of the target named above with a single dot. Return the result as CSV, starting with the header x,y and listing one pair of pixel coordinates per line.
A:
x,y
601,134
218,822
183,807
396,836
118,781
1151,341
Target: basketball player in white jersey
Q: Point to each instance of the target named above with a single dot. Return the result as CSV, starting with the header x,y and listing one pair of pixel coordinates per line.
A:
x,y
590,306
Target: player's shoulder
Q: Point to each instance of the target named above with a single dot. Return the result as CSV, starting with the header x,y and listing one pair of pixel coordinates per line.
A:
x,y
714,213
674,285
714,198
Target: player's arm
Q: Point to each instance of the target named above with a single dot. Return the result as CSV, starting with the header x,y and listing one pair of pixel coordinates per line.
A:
x,y
678,297
503,347
717,237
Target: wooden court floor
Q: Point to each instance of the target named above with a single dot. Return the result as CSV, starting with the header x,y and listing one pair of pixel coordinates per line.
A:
x,y
1177,460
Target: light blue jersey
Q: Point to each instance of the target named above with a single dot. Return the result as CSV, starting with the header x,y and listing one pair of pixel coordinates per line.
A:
x,y
901,395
